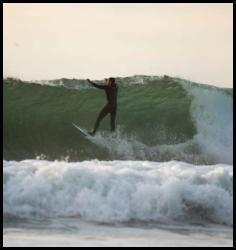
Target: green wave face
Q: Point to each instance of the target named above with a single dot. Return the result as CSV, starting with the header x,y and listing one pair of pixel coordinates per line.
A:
x,y
156,120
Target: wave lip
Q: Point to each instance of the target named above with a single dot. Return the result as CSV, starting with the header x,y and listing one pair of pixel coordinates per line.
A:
x,y
212,112
119,191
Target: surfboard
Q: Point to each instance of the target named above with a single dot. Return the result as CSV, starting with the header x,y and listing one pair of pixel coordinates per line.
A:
x,y
80,129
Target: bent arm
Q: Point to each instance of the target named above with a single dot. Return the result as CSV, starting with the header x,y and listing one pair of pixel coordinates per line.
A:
x,y
96,85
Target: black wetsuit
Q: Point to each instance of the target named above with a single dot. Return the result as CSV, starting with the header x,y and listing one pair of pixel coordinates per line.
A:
x,y
110,107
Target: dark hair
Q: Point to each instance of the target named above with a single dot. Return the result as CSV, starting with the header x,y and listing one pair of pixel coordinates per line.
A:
x,y
112,79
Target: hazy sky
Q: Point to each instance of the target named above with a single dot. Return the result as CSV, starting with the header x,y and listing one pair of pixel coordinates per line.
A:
x,y
48,41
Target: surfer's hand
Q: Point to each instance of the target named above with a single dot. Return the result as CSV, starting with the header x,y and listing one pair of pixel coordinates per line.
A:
x,y
89,81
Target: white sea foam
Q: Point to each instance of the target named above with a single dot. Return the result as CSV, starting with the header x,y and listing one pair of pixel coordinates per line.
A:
x,y
119,191
129,147
212,112
61,83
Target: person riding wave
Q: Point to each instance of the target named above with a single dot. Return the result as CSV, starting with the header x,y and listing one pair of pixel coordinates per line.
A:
x,y
111,90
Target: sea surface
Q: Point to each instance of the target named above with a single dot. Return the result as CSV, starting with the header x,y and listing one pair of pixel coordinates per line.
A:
x,y
164,178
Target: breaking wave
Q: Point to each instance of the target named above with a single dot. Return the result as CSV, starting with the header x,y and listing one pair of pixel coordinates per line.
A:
x,y
159,119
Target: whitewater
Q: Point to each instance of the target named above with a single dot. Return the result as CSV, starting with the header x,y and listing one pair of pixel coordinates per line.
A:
x,y
164,178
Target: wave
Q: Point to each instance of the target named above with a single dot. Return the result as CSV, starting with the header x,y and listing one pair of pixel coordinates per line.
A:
x,y
118,191
159,119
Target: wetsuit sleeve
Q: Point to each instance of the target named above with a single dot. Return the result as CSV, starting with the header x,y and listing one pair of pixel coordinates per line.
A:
x,y
98,86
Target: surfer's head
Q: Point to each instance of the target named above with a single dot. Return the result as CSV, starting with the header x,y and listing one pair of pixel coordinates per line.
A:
x,y
111,80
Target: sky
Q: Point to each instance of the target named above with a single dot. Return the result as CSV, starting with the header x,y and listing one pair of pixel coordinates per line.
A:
x,y
51,41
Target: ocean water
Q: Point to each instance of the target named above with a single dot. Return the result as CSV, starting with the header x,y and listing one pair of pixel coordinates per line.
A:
x,y
164,178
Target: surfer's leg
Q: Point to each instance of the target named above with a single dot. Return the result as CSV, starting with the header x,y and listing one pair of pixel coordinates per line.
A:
x,y
113,120
101,115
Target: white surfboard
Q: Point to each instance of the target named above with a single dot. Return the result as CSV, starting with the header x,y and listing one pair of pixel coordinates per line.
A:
x,y
80,129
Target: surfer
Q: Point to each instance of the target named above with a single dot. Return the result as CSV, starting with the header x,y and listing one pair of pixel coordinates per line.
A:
x,y
111,90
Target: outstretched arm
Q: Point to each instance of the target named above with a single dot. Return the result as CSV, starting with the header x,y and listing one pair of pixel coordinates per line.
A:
x,y
96,85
